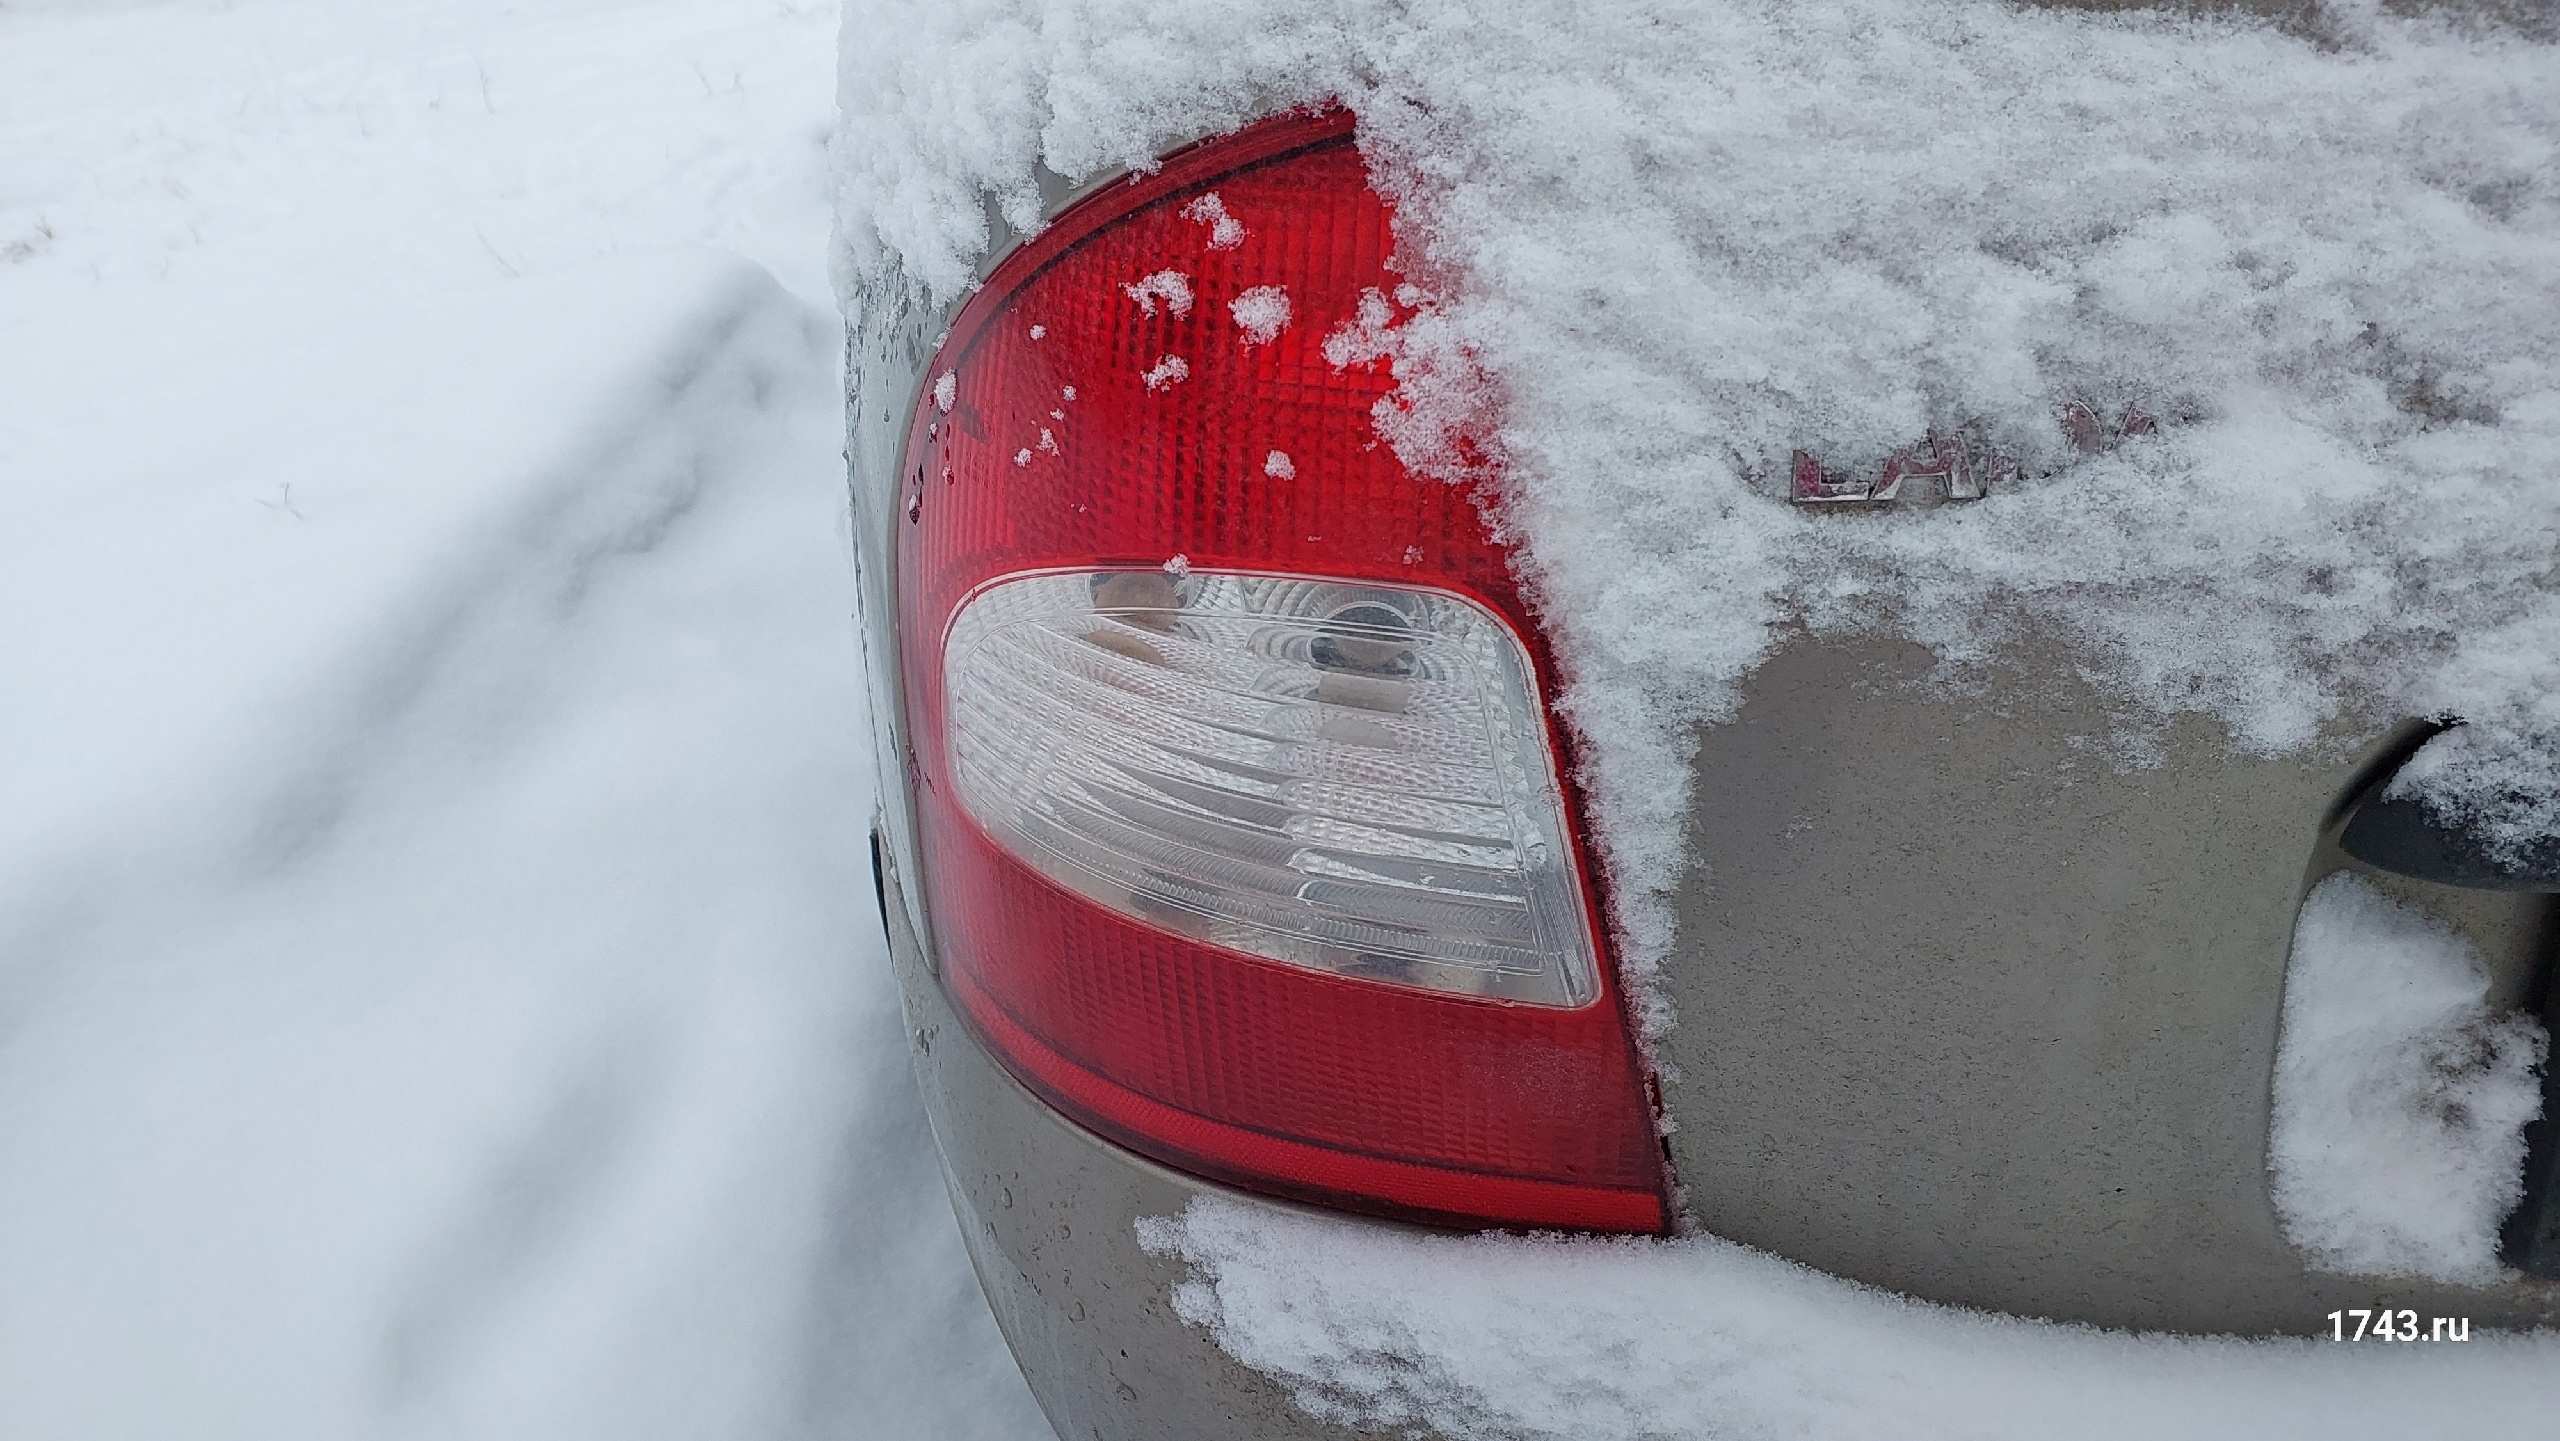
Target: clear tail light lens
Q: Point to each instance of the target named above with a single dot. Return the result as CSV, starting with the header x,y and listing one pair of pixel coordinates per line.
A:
x,y
1245,828
1352,778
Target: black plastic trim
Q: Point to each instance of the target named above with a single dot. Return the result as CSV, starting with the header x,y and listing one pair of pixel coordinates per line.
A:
x,y
2530,1241
2408,838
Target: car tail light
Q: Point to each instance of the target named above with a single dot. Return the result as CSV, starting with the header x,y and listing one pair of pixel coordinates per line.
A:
x,y
1244,824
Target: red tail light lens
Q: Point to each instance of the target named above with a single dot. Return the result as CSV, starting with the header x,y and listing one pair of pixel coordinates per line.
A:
x,y
1243,822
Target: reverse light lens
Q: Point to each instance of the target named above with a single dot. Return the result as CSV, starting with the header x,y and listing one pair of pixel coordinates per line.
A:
x,y
1351,778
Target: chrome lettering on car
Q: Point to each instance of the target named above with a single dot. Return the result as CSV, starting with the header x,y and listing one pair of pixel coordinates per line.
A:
x,y
1957,464
2089,433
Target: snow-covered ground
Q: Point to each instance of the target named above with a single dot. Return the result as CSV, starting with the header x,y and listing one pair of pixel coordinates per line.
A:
x,y
439,987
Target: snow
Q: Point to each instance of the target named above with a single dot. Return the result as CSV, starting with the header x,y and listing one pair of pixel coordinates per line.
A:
x,y
1166,373
1369,335
1279,466
2401,1095
1225,231
1494,1338
1171,287
2498,780
1654,248
1261,312
438,991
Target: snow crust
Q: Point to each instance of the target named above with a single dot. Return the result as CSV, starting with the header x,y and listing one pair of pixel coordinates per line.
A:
x,y
1654,247
2401,1094
1492,1338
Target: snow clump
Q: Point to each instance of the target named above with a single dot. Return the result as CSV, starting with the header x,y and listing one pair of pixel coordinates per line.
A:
x,y
1225,231
1261,313
1172,287
1369,335
2401,1096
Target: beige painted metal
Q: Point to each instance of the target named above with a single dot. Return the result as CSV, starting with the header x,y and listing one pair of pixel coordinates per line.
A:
x,y
1971,1011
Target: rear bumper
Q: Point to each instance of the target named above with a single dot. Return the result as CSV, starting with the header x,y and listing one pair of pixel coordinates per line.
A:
x,y
1050,1216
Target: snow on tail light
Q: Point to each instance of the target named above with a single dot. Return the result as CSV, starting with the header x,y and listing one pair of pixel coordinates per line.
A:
x,y
1352,778
1247,835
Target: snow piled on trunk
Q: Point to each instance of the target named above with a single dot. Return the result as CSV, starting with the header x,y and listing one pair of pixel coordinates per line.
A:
x,y
1655,247
2401,1095
1492,1338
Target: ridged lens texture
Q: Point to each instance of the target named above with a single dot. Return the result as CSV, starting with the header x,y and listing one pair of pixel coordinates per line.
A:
x,y
1118,402
1349,777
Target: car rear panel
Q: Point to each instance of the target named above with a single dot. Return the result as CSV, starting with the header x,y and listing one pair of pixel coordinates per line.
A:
x,y
1973,1010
